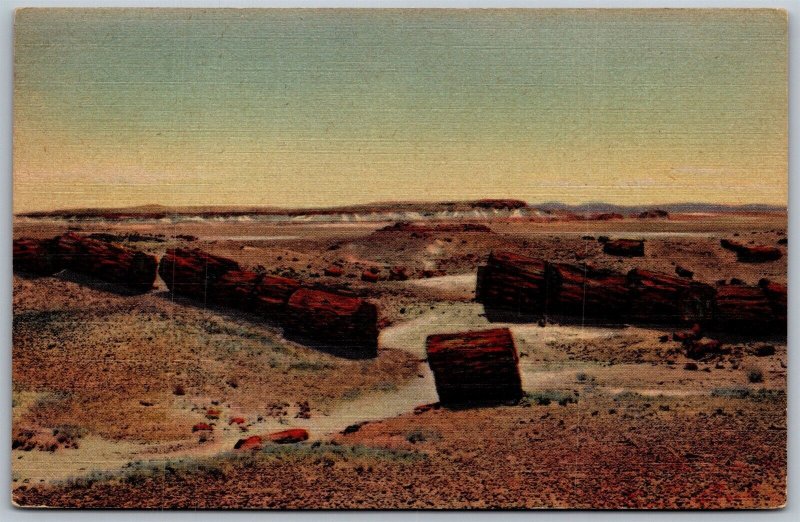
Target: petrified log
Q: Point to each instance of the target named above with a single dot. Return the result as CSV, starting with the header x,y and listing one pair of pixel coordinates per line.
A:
x,y
745,309
371,275
752,254
334,271
473,368
289,436
776,294
334,319
624,247
587,292
36,256
662,298
190,272
513,283
252,443
106,261
258,293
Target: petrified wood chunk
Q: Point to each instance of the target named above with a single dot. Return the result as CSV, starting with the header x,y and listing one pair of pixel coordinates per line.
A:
x,y
587,292
752,254
253,292
289,436
624,247
334,319
191,272
106,261
36,256
776,294
513,283
744,308
663,298
473,368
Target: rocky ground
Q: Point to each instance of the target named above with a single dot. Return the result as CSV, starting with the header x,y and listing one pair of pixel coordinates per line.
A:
x,y
613,417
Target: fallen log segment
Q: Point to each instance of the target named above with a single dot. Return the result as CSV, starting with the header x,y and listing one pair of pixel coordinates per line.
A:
x,y
191,272
35,256
513,283
624,247
350,323
475,368
662,298
745,309
776,294
587,292
752,254
106,261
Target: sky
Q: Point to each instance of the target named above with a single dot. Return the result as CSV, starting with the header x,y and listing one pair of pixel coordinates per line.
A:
x,y
318,108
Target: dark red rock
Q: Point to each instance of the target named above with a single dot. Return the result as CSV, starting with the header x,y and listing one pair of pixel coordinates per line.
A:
x,y
106,261
334,319
236,420
703,348
289,436
752,254
473,368
663,299
252,443
202,426
776,294
36,256
334,271
624,247
370,276
398,273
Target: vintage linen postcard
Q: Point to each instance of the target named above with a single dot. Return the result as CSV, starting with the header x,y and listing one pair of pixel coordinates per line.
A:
x,y
428,259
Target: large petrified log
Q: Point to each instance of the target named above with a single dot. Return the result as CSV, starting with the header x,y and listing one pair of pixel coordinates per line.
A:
x,y
587,292
36,256
192,272
776,294
106,261
745,309
624,247
513,283
258,293
473,368
334,320
752,254
663,298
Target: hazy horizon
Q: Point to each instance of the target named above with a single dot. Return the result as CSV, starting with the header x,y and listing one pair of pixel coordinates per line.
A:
x,y
324,108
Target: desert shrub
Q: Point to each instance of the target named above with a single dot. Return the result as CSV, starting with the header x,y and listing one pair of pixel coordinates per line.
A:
x,y
545,397
731,393
755,375
419,435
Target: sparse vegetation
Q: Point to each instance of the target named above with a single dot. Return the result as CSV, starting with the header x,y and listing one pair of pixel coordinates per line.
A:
x,y
546,397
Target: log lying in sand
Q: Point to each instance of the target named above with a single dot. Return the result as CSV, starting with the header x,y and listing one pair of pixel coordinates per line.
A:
x,y
106,261
35,256
744,309
752,254
624,247
587,292
334,319
776,294
190,272
513,283
257,293
662,298
475,368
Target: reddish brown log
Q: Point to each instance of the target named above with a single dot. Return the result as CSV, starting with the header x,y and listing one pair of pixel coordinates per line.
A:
x,y
662,298
289,436
752,254
624,247
253,292
371,275
252,443
745,309
333,319
190,272
513,283
587,292
334,271
776,294
36,256
474,368
106,261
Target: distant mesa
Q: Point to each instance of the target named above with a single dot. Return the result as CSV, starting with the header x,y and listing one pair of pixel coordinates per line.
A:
x,y
501,204
656,213
407,226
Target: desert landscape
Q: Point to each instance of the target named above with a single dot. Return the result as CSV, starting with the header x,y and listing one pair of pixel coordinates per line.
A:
x,y
473,354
